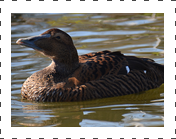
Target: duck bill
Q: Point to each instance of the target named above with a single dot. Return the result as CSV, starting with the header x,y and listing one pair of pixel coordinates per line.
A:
x,y
30,41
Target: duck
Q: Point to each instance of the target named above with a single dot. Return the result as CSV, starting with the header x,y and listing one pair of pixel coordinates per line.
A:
x,y
90,76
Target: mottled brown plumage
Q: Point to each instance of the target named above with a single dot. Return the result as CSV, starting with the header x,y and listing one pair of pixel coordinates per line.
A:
x,y
95,75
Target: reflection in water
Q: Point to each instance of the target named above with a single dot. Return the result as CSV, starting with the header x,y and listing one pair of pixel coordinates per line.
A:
x,y
134,34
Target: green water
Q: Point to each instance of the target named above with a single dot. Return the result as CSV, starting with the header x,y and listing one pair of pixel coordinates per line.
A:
x,y
140,35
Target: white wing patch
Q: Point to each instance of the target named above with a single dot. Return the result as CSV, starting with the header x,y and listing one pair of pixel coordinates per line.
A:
x,y
128,69
145,71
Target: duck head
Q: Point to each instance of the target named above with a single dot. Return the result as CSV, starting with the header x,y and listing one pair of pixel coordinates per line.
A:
x,y
55,44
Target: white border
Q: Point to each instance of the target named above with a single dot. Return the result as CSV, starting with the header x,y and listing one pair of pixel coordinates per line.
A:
x,y
87,6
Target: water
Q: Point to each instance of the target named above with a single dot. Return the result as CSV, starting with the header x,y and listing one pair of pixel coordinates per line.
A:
x,y
140,35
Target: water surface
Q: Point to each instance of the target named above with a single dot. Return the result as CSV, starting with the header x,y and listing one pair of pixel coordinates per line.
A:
x,y
140,35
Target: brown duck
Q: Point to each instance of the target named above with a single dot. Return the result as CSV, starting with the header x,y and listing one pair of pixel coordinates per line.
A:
x,y
90,76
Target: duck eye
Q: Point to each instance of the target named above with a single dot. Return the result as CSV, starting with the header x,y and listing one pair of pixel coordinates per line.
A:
x,y
58,37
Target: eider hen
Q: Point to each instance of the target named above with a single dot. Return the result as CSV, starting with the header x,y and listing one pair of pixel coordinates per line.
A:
x,y
90,76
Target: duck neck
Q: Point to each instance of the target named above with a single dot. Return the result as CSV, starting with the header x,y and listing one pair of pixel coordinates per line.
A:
x,y
64,69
